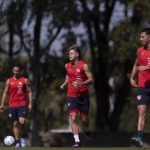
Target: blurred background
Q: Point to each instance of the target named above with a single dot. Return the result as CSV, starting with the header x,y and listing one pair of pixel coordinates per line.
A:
x,y
36,34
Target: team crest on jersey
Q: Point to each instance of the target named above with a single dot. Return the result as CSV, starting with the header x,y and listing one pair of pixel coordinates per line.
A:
x,y
139,97
69,70
20,83
12,83
77,70
10,115
148,59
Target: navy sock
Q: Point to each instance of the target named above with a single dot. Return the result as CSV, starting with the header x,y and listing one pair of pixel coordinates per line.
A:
x,y
140,134
17,141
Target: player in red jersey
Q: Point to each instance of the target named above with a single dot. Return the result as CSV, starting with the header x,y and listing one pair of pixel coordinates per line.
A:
x,y
18,87
142,67
78,77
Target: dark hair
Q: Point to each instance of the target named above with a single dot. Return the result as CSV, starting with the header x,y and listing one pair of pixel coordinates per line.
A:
x,y
16,65
146,30
75,48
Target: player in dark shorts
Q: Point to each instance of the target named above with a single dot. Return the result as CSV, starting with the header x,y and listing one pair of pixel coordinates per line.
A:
x,y
18,88
78,78
142,67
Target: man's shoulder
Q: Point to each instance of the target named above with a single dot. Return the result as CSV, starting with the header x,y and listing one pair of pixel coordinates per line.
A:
x,y
141,48
23,78
83,61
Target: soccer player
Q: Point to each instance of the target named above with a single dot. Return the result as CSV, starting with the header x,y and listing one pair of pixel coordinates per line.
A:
x,y
142,67
78,77
18,87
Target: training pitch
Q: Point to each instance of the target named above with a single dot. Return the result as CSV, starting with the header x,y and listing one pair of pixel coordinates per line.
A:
x,y
66,148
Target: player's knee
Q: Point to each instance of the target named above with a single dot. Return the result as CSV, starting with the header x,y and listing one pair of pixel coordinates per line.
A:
x,y
142,114
15,124
21,121
74,119
85,120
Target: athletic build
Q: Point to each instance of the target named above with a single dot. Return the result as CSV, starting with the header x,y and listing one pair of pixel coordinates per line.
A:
x,y
142,66
78,77
18,87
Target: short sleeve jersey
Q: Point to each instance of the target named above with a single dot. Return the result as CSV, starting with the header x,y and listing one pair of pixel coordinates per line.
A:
x,y
76,73
17,91
144,60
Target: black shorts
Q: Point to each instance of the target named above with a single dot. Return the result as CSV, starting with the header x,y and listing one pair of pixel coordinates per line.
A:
x,y
16,112
143,96
80,104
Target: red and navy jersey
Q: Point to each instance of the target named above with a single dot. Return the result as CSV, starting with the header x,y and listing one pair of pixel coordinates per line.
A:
x,y
17,92
76,73
144,60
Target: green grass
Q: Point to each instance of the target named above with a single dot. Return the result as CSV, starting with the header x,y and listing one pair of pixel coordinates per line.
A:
x,y
66,148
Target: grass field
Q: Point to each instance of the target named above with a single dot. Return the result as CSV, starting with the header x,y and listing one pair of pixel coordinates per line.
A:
x,y
66,148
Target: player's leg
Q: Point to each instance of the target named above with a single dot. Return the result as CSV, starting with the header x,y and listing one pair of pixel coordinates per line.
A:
x,y
15,125
22,127
16,131
142,104
75,128
22,112
142,110
73,113
84,111
138,139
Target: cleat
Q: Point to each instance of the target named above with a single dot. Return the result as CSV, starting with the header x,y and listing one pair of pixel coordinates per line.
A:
x,y
137,141
88,134
76,145
17,145
23,142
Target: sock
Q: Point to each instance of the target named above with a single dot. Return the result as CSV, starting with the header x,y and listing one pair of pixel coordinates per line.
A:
x,y
140,134
22,130
17,141
76,138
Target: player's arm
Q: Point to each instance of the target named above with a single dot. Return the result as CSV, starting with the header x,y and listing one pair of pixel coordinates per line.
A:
x,y
134,72
29,91
88,74
5,93
65,82
142,68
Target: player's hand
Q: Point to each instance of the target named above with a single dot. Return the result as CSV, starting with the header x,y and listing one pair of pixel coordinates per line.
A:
x,y
29,107
142,68
62,86
76,83
1,108
133,83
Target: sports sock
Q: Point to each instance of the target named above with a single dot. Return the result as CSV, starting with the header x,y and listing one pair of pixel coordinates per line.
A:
x,y
140,134
76,138
17,141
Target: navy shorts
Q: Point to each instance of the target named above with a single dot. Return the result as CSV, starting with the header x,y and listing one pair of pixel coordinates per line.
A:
x,y
81,104
16,112
143,96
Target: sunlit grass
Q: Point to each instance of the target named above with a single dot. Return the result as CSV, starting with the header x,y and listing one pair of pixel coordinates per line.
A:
x,y
67,148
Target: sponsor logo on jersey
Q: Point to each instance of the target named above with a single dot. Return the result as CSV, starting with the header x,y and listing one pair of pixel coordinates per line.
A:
x,y
139,97
20,83
77,70
10,115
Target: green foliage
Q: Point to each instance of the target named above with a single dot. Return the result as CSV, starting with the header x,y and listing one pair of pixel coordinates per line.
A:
x,y
65,16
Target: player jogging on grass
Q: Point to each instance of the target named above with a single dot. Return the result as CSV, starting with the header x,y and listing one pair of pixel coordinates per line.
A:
x,y
78,77
18,87
142,67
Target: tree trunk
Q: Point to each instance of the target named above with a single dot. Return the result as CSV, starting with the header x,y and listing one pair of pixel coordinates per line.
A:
x,y
36,78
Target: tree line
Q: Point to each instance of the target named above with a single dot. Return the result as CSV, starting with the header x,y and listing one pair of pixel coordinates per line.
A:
x,y
37,34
